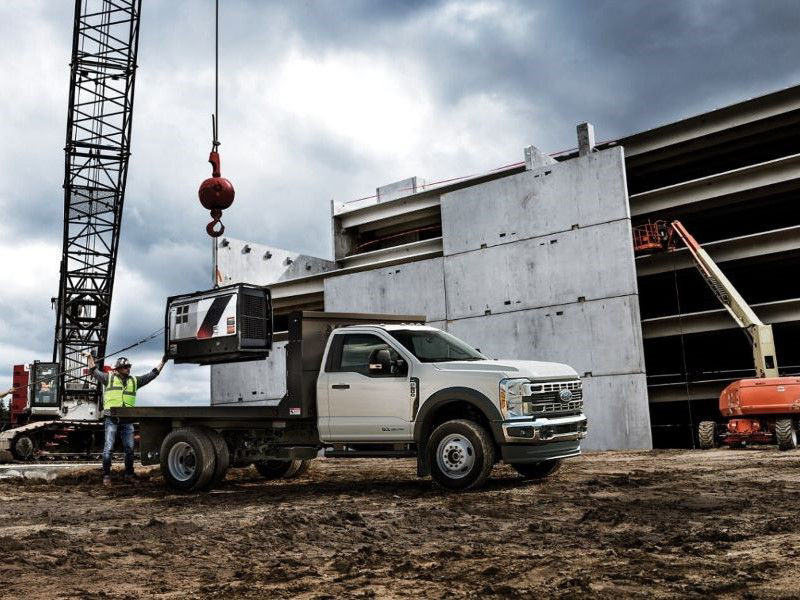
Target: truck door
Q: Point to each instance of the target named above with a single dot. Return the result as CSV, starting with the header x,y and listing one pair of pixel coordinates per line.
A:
x,y
368,404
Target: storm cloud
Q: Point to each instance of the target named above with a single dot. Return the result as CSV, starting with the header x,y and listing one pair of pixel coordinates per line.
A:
x,y
327,100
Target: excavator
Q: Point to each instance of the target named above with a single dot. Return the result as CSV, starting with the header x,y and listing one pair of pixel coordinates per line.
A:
x,y
759,410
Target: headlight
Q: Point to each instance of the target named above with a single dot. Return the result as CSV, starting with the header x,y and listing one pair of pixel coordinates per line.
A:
x,y
512,392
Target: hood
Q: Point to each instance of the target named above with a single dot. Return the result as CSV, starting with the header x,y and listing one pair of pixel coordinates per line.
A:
x,y
531,369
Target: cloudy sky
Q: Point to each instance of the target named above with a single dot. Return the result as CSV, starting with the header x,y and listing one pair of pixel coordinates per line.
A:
x,y
327,100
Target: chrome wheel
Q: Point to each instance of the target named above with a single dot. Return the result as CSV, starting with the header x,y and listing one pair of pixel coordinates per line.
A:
x,y
182,461
455,456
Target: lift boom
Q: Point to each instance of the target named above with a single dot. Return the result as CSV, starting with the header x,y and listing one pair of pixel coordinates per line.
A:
x,y
760,334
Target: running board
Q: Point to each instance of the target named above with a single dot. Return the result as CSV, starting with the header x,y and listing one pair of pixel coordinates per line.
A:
x,y
370,453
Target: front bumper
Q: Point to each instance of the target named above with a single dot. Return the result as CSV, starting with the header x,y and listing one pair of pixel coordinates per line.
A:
x,y
544,430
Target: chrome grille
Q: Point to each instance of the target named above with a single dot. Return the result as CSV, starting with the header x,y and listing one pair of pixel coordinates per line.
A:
x,y
544,397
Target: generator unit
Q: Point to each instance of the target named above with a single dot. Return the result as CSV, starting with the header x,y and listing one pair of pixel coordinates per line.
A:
x,y
222,325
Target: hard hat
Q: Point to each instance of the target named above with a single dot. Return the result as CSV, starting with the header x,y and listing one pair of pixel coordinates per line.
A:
x,y
122,362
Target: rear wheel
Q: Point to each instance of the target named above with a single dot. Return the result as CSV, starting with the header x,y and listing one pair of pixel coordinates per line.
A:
x,y
277,469
707,434
538,470
785,434
188,460
222,456
460,455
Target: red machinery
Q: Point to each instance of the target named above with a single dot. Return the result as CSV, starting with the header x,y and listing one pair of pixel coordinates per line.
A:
x,y
765,409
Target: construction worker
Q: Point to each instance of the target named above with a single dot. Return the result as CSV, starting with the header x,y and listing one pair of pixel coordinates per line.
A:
x,y
120,389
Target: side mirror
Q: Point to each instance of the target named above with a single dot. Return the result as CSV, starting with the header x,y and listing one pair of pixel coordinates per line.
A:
x,y
399,368
380,362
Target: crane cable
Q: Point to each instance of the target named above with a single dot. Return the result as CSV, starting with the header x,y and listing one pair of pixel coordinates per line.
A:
x,y
50,378
215,117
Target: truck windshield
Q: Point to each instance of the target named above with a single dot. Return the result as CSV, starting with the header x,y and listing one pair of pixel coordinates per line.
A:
x,y
435,346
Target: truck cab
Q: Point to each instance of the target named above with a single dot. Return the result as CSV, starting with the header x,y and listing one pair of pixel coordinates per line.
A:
x,y
398,384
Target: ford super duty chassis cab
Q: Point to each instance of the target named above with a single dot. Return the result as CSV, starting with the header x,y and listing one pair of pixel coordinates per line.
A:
x,y
377,386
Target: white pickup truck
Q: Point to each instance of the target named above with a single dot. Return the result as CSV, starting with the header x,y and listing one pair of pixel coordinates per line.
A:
x,y
378,386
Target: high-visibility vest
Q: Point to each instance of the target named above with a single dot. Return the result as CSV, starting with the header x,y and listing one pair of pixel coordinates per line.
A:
x,y
116,394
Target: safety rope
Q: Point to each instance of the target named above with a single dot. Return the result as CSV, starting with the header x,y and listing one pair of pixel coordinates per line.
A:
x,y
65,372
683,352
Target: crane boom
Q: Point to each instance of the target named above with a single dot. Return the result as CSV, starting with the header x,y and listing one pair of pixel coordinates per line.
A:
x,y
759,333
102,76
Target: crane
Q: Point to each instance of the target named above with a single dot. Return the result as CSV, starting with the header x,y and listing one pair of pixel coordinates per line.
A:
x,y
61,408
769,402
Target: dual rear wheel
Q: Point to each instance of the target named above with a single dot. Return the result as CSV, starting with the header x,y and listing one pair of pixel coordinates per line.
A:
x,y
286,469
194,459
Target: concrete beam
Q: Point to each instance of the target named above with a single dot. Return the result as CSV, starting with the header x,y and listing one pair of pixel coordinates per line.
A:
x,y
716,121
746,246
723,187
781,311
681,392
404,253
387,213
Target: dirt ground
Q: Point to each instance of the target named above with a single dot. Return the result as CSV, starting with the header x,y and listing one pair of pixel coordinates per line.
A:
x,y
668,524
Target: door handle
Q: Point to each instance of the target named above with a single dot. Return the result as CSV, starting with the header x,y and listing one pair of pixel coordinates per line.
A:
x,y
341,386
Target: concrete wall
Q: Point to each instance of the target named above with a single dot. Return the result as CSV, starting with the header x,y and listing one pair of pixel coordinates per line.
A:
x,y
537,265
410,289
261,382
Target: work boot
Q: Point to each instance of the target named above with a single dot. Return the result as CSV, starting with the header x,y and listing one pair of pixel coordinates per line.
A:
x,y
106,480
132,478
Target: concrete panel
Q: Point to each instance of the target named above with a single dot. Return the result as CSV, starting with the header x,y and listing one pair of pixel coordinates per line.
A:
x,y
618,412
592,263
261,382
599,337
412,289
239,261
583,191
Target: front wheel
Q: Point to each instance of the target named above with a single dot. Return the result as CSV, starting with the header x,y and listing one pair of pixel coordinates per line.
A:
x,y
785,434
707,434
460,455
538,470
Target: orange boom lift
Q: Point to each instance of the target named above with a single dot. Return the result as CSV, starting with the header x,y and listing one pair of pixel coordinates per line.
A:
x,y
760,410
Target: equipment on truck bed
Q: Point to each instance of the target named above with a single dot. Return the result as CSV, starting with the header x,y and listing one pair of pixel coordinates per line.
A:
x,y
766,407
221,325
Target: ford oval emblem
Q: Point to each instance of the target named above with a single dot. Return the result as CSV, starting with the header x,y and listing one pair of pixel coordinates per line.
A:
x,y
565,395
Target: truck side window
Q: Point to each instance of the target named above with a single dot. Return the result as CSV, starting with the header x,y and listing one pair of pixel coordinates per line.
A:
x,y
357,348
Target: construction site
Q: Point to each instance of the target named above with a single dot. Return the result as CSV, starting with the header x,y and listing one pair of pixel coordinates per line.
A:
x,y
573,375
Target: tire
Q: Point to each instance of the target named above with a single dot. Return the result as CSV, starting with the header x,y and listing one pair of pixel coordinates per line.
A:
x,y
538,470
707,434
188,460
460,455
276,469
305,465
785,434
222,456
24,448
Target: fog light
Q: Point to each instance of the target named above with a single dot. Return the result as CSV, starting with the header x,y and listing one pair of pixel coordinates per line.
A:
x,y
523,432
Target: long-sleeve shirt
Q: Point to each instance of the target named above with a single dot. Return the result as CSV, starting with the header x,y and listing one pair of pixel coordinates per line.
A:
x,y
141,380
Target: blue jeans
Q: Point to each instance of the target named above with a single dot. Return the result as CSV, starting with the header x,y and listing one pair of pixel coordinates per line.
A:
x,y
126,433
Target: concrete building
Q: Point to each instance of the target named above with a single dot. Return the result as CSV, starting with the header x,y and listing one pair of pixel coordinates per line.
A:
x,y
536,261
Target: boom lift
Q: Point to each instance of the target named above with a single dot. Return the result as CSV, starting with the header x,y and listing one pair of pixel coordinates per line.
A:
x,y
765,408
55,408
